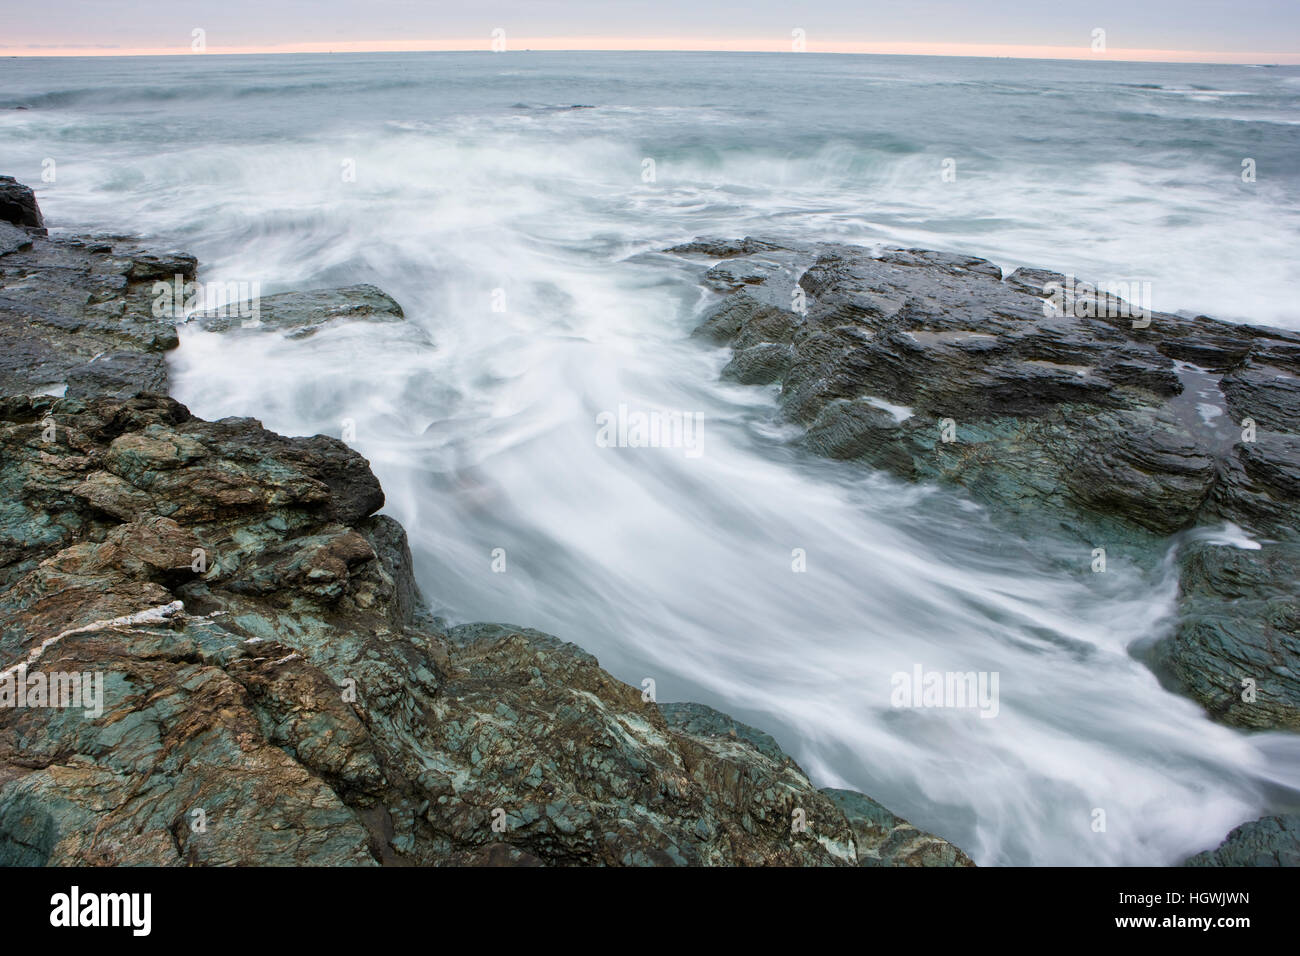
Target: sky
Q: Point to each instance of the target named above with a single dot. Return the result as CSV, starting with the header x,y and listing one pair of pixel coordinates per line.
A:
x,y
1234,31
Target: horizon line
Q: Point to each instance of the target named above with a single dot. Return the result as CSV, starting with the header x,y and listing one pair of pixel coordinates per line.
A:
x,y
682,45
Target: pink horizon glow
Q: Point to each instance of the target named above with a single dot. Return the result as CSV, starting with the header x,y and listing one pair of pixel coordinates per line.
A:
x,y
689,44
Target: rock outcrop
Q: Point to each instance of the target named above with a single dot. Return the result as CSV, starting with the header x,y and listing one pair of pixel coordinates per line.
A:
x,y
273,690
92,316
213,650
885,839
77,317
1271,841
1058,405
18,205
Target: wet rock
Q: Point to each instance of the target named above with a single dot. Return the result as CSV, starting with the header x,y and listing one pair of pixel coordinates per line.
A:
x,y
13,238
150,266
302,314
270,672
857,429
1260,484
1271,841
18,205
1237,640
760,364
1073,412
724,248
260,681
884,839
1142,465
1268,396
76,319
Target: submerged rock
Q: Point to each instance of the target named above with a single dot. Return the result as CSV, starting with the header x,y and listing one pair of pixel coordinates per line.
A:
x,y
1077,410
301,314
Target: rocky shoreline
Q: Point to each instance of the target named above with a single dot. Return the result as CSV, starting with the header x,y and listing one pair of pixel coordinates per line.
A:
x,y
268,686
275,690
1127,431
1065,409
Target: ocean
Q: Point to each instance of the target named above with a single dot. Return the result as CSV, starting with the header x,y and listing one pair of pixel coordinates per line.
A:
x,y
515,205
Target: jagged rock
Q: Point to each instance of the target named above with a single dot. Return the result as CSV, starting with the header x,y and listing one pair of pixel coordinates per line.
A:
x,y
1076,412
18,205
884,839
152,266
77,317
724,248
1237,642
13,238
760,364
274,690
1267,395
1270,841
263,682
1259,485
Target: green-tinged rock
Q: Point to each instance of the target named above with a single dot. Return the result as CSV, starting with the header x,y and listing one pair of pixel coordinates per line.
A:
x,y
884,839
275,692
213,651
1271,841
